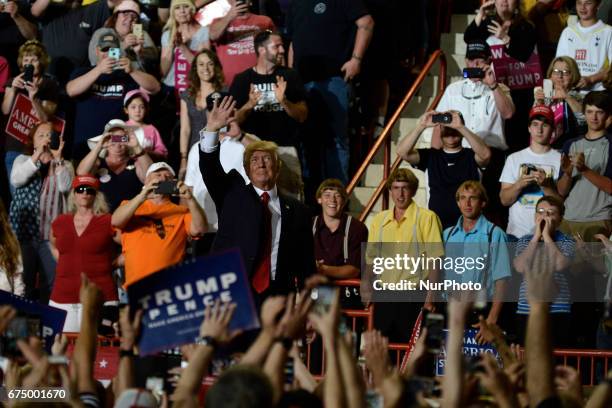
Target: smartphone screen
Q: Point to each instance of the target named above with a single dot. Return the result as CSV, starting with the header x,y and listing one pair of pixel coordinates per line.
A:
x,y
435,332
28,73
548,88
137,30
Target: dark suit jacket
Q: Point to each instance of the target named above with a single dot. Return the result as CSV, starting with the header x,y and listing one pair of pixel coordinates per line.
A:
x,y
240,214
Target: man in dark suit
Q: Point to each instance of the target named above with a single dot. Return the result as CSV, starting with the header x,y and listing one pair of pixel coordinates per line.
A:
x,y
271,230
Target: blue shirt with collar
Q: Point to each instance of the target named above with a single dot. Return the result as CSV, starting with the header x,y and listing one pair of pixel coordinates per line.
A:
x,y
475,244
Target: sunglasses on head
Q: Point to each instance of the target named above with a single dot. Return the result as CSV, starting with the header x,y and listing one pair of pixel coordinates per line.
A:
x,y
85,190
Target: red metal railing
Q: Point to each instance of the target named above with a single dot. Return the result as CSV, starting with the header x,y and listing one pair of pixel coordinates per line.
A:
x,y
385,137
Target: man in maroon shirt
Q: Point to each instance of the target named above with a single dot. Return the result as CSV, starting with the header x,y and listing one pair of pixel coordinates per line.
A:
x,y
337,237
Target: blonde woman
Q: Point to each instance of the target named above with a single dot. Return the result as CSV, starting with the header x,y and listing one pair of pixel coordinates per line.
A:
x,y
41,179
11,266
82,243
182,33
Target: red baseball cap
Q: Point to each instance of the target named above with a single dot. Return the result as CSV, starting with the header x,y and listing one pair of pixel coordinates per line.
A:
x,y
86,180
542,111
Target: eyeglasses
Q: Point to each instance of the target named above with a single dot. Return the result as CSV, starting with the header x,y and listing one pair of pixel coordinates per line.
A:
x,y
547,211
85,190
105,49
561,72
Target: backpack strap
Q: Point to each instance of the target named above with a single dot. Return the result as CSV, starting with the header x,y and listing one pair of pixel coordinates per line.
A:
x,y
345,251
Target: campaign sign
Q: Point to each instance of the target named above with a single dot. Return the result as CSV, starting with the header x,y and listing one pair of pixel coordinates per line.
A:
x,y
174,299
514,73
23,117
471,348
51,318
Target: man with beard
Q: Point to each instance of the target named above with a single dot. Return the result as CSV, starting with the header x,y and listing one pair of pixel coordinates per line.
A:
x,y
270,97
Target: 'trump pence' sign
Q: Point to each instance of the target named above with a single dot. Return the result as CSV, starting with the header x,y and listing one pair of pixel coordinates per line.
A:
x,y
174,299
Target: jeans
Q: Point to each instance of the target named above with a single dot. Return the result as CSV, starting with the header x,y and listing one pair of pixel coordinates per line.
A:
x,y
36,255
327,138
9,158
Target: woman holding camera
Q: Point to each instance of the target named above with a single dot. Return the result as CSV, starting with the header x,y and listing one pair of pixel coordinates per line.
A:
x,y
135,42
41,179
118,160
41,90
82,243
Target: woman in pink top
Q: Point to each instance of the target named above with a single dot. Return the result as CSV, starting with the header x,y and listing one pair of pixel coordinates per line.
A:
x,y
136,106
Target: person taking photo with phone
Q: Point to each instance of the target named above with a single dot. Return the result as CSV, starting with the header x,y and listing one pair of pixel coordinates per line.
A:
x,y
530,174
41,179
154,230
449,166
560,93
485,105
41,90
118,160
99,90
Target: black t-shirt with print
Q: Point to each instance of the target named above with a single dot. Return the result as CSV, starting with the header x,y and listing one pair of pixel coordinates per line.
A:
x,y
268,120
323,35
101,103
446,172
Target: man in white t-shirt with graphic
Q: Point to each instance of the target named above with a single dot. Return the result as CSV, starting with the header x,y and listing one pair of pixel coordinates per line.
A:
x,y
589,42
530,173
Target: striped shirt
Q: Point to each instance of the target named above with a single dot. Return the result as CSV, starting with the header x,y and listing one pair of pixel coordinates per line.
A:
x,y
562,302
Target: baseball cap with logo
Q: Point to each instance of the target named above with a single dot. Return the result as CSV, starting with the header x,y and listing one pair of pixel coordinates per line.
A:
x,y
478,49
86,180
108,39
542,112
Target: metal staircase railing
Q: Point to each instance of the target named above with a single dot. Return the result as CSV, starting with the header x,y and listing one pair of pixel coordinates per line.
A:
x,y
385,137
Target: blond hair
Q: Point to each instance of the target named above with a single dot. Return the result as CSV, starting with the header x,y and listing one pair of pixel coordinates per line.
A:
x,y
260,146
100,206
34,47
171,23
474,186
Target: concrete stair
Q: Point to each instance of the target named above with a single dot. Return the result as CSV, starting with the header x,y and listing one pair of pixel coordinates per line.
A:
x,y
454,49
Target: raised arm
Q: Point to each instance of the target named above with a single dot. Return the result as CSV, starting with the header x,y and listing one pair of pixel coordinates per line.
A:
x,y
130,329
482,153
213,332
217,28
124,213
82,84
538,346
27,29
405,148
198,225
85,348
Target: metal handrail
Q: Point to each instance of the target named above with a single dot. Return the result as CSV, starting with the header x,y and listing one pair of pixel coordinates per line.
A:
x,y
385,136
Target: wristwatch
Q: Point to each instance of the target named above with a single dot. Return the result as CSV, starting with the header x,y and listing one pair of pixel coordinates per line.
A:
x,y
207,341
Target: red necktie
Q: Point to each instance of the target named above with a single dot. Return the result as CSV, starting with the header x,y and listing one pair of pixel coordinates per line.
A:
x,y
261,278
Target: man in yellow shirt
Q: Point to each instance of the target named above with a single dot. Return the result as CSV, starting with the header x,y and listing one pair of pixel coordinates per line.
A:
x,y
416,233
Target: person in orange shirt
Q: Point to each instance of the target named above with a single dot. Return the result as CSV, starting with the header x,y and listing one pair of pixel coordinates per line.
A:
x,y
154,230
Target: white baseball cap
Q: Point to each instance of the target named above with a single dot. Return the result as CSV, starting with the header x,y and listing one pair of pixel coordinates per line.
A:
x,y
159,166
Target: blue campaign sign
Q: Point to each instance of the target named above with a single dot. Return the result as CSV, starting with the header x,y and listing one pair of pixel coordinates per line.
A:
x,y
51,318
471,348
174,299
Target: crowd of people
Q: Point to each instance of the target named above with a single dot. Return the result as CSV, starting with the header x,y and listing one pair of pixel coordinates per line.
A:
x,y
138,136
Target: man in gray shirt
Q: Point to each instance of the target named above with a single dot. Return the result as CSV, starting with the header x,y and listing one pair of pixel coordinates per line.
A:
x,y
586,179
